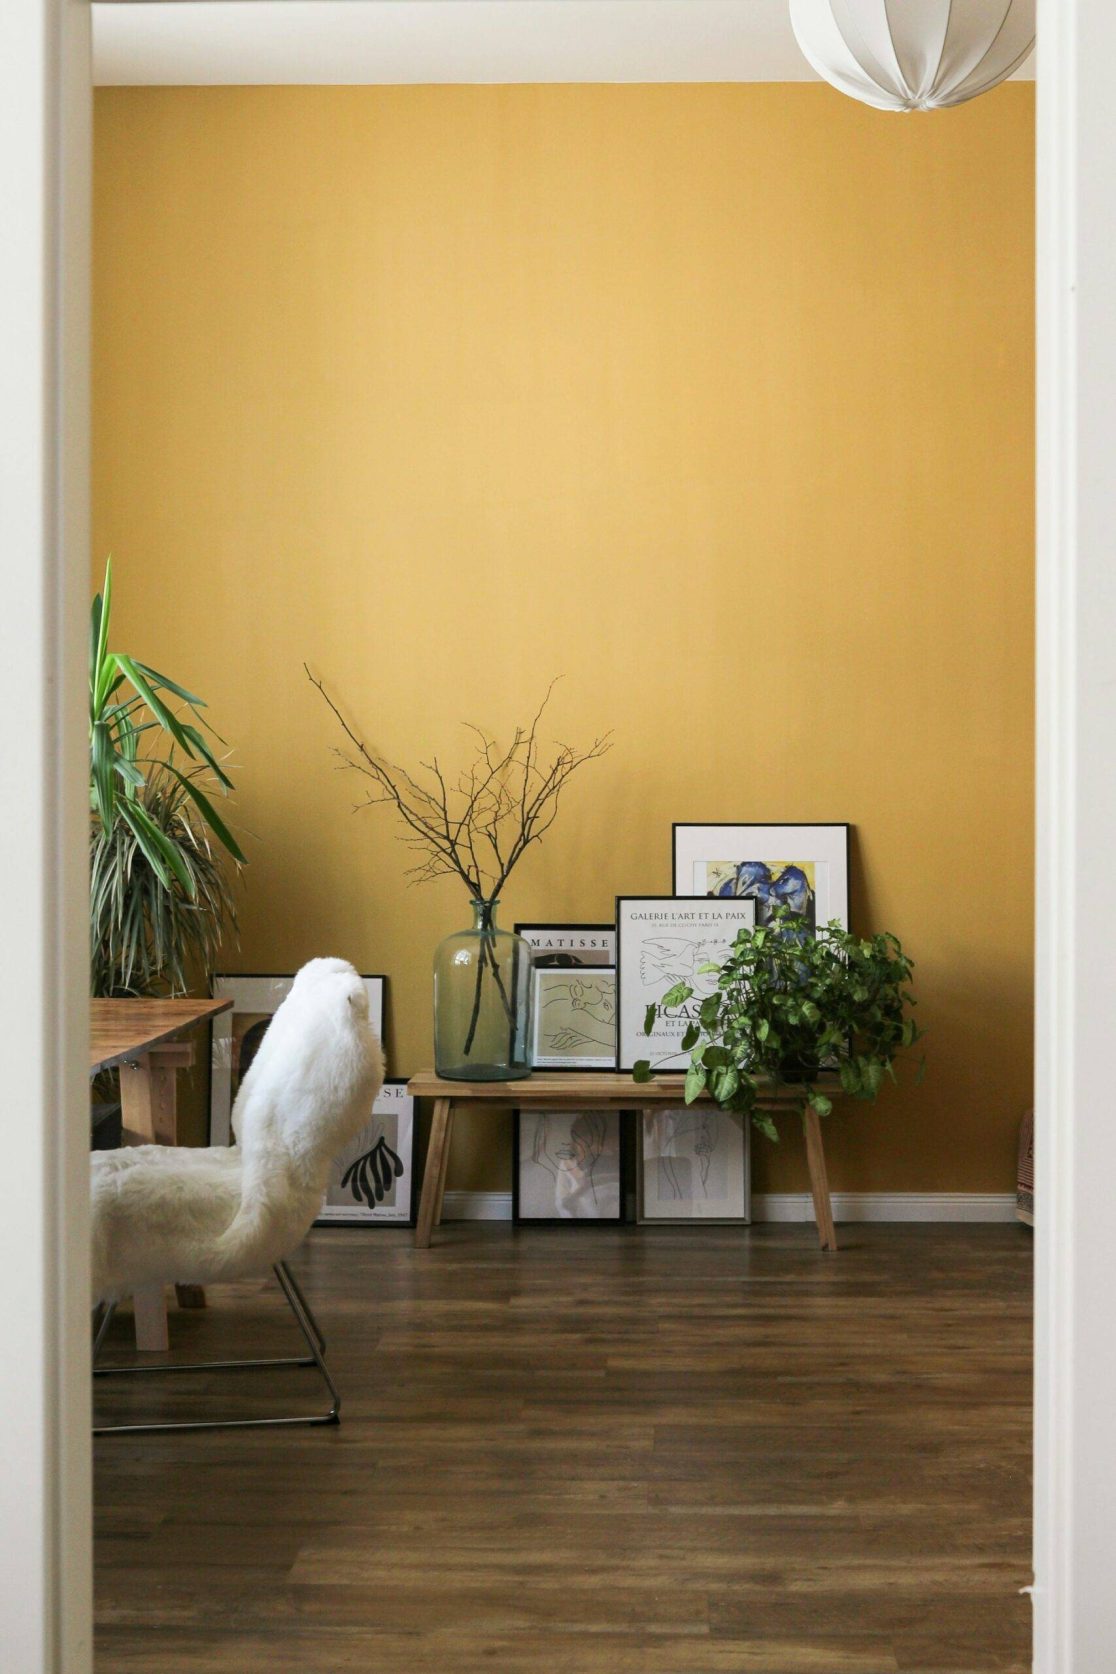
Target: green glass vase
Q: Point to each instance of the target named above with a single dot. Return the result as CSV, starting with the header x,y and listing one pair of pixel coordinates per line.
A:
x,y
482,1002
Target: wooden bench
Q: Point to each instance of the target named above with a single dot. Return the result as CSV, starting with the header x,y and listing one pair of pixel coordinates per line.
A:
x,y
580,1090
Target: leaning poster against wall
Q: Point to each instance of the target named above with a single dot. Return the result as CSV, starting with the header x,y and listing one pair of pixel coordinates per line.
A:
x,y
574,995
237,1035
373,1179
694,1165
567,946
568,1166
803,867
662,940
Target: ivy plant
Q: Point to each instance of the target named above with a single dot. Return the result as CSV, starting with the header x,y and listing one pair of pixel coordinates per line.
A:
x,y
802,1011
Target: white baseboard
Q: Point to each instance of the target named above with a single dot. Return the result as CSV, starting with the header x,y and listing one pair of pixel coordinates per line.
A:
x,y
798,1206
477,1206
888,1206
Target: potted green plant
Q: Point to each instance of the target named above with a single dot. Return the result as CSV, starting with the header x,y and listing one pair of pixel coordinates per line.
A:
x,y
796,1010
160,896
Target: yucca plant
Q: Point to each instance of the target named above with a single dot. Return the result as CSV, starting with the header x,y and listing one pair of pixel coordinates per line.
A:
x,y
159,896
127,700
146,935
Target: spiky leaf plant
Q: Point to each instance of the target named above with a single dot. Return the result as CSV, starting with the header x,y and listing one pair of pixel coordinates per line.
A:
x,y
149,935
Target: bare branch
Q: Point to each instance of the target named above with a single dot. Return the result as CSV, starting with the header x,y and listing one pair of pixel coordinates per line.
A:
x,y
495,808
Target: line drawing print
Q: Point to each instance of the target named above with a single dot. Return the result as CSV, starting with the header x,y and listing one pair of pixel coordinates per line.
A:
x,y
676,1169
665,960
575,1014
571,1151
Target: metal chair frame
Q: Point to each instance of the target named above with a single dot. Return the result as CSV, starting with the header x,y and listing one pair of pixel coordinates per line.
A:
x,y
315,1342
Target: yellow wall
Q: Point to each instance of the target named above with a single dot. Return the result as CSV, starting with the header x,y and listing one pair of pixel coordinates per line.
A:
x,y
716,400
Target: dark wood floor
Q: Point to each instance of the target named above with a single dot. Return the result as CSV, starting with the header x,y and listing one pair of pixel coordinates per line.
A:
x,y
574,1451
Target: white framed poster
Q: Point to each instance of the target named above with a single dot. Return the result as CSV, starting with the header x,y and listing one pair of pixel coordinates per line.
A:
x,y
695,1165
567,945
373,1179
803,867
574,1017
237,1035
662,940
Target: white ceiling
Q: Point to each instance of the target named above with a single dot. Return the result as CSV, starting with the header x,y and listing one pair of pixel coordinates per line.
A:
x,y
175,42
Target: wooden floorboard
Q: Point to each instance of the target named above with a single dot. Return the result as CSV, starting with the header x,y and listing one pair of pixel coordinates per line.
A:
x,y
582,1451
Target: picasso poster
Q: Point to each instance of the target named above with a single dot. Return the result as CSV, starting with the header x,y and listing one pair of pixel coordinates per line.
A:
x,y
662,941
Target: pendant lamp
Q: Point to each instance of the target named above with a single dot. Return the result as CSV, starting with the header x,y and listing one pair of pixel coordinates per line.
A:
x,y
914,54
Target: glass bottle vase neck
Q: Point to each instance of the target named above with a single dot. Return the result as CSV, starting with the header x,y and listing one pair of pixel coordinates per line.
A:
x,y
484,914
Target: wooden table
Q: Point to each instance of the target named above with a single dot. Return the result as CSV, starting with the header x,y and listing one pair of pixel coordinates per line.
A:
x,y
138,1037
577,1090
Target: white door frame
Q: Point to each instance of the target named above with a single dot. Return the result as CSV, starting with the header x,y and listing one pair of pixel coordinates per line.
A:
x,y
1075,1342
44,298
45,1512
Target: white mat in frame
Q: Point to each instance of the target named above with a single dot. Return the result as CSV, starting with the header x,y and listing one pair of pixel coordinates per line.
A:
x,y
256,998
695,1164
804,867
372,1182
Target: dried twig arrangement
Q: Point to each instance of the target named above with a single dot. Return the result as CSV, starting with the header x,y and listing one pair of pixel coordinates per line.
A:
x,y
475,825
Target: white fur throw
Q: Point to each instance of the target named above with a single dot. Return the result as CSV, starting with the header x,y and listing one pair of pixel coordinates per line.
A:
x,y
168,1213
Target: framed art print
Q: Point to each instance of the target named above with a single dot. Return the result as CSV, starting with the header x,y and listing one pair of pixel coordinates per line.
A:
x,y
568,1166
373,1180
662,940
574,1017
237,1035
803,867
694,1165
566,945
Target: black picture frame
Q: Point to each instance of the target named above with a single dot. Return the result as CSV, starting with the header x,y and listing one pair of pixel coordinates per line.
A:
x,y
560,926
623,1184
766,826
703,901
367,1218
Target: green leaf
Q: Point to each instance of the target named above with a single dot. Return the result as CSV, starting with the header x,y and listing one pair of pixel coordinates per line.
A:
x,y
695,1083
168,721
709,1011
763,1029
724,1082
820,1104
641,1070
210,815
690,1038
649,1017
676,996
765,1125
171,686
103,781
710,968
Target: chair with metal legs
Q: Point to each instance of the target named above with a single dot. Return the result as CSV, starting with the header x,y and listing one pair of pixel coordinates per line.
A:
x,y
168,1214
315,1342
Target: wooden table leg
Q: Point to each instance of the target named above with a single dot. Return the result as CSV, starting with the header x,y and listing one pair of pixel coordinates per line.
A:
x,y
819,1180
149,1117
434,1175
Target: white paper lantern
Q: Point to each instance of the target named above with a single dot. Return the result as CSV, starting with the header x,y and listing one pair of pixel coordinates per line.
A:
x,y
914,54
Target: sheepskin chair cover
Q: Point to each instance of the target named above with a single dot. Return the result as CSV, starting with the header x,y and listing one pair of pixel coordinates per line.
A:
x,y
172,1214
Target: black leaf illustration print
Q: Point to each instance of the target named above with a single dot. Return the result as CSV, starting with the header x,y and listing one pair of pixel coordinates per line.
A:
x,y
370,1176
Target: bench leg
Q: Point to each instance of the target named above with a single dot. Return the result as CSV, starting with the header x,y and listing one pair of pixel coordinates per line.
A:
x,y
819,1181
434,1175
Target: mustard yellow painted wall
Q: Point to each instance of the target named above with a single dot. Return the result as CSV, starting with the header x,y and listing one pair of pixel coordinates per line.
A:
x,y
716,400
